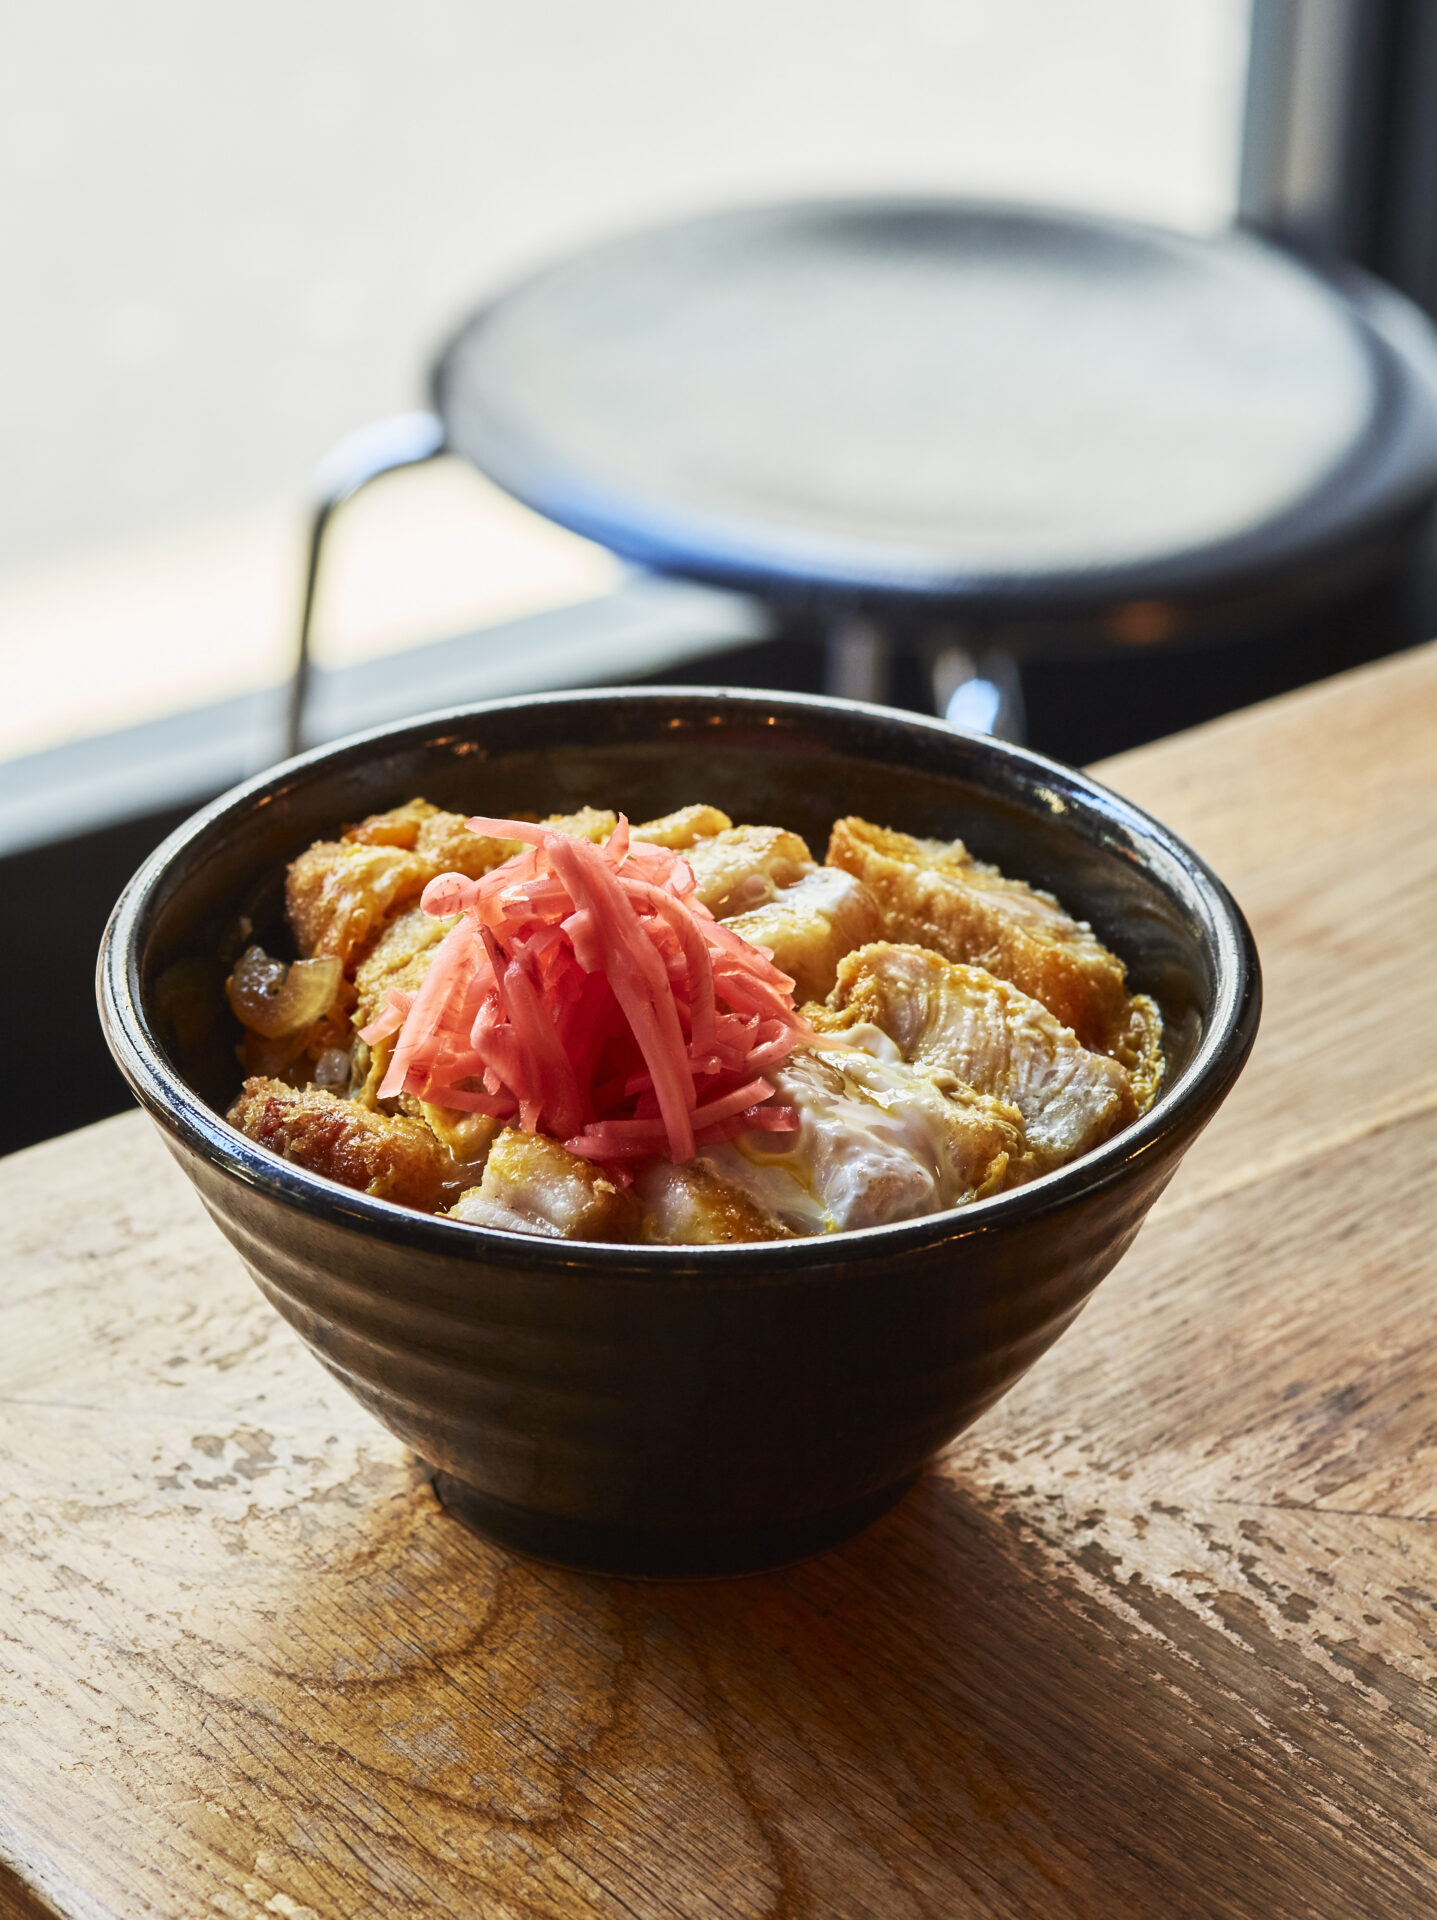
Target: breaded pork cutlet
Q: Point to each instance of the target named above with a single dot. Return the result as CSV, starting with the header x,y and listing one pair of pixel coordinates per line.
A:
x,y
964,1034
386,1155
339,894
877,1141
690,1206
809,926
933,893
944,1015
743,867
532,1184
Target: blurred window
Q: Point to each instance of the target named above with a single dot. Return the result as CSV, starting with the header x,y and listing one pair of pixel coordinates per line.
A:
x,y
232,235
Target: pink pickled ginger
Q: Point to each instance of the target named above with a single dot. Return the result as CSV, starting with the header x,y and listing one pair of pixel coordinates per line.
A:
x,y
585,993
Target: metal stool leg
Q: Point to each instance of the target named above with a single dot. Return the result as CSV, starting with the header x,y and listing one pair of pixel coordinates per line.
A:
x,y
979,691
856,664
407,440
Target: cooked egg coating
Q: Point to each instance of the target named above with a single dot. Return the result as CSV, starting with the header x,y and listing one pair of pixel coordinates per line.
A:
x,y
399,959
878,1141
589,823
396,827
449,847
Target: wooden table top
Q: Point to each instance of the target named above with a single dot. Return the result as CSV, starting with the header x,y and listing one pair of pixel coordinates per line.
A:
x,y
1155,1639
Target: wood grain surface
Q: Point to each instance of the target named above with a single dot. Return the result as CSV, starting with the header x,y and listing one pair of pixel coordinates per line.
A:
x,y
1156,1639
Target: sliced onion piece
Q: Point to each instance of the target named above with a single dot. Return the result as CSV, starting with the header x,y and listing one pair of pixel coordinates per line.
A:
x,y
273,999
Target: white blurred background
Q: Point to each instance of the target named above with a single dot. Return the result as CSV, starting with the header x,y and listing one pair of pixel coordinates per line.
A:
x,y
231,235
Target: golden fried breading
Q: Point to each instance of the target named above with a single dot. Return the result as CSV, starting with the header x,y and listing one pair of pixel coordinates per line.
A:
x,y
942,1014
388,1156
680,829
740,868
531,1184
934,894
399,958
809,926
338,893
449,847
589,823
438,837
1139,1048
399,827
691,1206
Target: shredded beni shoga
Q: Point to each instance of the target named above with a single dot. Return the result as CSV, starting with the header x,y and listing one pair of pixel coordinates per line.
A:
x,y
586,993
683,1031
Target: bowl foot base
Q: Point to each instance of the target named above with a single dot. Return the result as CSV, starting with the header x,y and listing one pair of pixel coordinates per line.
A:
x,y
645,1554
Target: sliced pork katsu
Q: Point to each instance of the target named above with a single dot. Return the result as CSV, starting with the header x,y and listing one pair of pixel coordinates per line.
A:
x,y
877,1141
741,868
531,1184
809,926
339,894
692,1206
933,893
946,1016
390,1156
683,827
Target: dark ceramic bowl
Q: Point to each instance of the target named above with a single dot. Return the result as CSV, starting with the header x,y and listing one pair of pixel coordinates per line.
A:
x,y
673,1410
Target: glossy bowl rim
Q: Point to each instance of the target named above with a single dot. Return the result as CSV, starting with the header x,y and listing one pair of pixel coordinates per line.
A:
x,y
1231,1024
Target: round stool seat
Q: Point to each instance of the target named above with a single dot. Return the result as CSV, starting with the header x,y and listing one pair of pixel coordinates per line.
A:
x,y
946,408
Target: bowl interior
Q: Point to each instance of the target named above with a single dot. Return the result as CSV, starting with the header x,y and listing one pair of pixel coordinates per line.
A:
x,y
763,758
